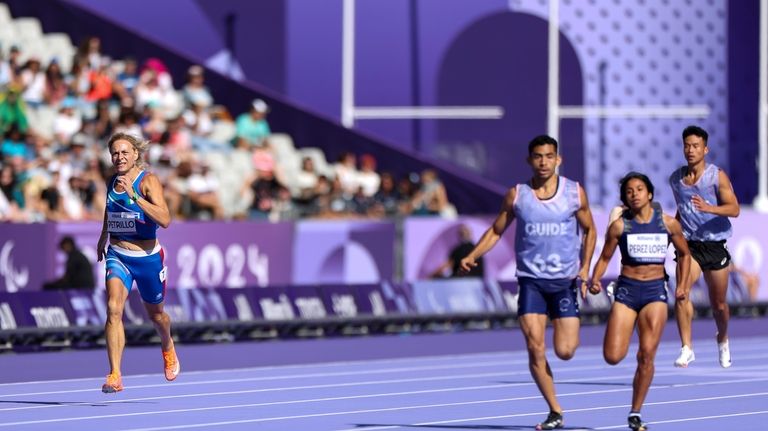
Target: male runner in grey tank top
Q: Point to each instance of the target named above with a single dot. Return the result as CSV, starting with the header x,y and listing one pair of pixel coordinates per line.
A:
x,y
705,200
551,255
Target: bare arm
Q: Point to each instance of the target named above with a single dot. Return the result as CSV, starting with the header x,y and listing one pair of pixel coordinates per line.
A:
x,y
492,235
102,239
683,273
154,205
609,248
589,238
727,204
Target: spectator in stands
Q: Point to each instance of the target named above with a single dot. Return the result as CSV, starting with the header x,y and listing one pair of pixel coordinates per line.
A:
x,y
153,122
346,172
321,197
339,203
195,92
127,122
148,91
89,53
79,154
156,85
67,122
306,181
283,207
368,179
78,81
89,186
33,80
102,126
78,272
253,126
199,122
7,73
177,138
179,183
100,82
202,192
13,111
431,198
264,189
9,185
458,252
55,86
7,209
14,61
386,201
52,200
406,187
127,79
15,145
160,72
40,147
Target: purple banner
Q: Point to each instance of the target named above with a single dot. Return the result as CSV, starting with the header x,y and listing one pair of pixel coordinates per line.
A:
x,y
240,304
228,254
10,307
194,305
378,300
272,303
35,309
26,257
427,243
200,254
243,254
352,252
458,295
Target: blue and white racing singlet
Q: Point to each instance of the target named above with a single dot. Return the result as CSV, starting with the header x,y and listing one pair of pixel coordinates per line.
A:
x,y
125,218
697,225
547,238
644,243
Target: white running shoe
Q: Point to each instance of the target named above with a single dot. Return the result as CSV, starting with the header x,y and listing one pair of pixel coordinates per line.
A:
x,y
685,358
725,354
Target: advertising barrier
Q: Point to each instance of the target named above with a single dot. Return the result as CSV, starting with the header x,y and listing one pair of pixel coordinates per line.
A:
x,y
247,254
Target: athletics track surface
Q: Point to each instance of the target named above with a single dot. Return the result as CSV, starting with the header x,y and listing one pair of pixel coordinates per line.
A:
x,y
459,381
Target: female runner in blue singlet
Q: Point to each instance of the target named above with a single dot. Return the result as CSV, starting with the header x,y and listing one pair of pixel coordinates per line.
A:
x,y
642,234
135,208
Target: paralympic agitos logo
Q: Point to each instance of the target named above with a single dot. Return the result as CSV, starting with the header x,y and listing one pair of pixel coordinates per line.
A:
x,y
15,278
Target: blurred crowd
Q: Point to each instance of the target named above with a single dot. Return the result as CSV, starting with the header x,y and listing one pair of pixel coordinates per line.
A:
x,y
54,121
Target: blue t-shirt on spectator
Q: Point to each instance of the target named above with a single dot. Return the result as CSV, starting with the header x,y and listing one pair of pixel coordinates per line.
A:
x,y
11,148
253,131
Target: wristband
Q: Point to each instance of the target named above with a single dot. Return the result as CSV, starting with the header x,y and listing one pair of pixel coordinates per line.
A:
x,y
135,196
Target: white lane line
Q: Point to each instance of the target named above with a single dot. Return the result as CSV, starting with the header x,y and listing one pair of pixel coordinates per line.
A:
x,y
363,362
421,424
351,384
265,404
696,418
627,365
558,368
744,344
590,353
485,418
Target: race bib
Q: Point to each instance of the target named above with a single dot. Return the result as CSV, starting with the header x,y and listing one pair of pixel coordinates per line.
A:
x,y
648,247
122,222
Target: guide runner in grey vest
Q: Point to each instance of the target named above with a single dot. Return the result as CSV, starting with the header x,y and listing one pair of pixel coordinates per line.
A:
x,y
551,255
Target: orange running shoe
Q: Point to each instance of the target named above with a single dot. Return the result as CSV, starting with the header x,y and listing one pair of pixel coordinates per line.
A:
x,y
172,366
114,384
